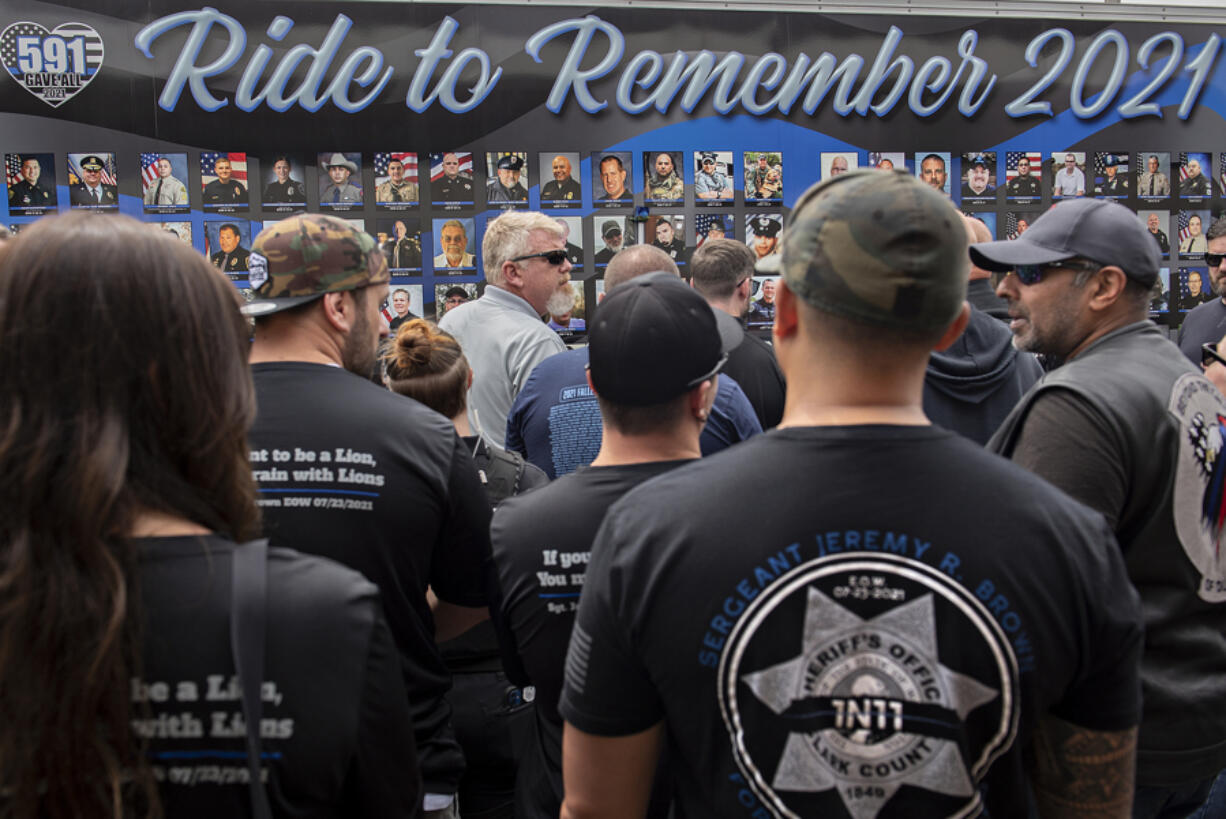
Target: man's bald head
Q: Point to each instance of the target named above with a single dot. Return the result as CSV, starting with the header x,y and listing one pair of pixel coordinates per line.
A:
x,y
637,260
977,231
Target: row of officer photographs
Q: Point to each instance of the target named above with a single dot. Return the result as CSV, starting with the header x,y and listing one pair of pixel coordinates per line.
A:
x,y
451,244
228,182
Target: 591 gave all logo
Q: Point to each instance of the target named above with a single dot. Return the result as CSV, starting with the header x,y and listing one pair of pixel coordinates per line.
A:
x,y
52,65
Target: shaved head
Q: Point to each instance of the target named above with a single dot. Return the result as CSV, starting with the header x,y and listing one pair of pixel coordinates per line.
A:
x,y
977,231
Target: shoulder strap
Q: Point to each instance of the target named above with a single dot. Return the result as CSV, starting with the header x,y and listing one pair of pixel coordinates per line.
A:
x,y
249,580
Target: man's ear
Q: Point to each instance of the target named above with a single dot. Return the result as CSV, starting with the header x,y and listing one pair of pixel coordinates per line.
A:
x,y
702,397
1106,287
955,329
786,324
512,275
338,310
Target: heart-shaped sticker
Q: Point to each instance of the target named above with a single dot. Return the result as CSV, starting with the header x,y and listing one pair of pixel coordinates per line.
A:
x,y
52,65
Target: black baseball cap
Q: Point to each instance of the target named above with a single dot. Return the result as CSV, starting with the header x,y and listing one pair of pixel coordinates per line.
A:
x,y
1095,229
653,338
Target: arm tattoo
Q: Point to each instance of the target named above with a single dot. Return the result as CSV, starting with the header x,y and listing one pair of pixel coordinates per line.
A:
x,y
1083,773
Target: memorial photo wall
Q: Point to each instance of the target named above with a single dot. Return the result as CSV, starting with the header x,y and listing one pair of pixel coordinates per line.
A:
x,y
422,152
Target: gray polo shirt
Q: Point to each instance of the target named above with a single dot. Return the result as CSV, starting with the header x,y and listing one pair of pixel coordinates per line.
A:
x,y
504,339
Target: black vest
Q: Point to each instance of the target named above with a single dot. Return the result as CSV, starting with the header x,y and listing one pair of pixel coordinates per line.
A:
x,y
1164,416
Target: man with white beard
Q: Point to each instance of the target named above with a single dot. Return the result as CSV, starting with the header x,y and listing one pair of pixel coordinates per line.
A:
x,y
526,266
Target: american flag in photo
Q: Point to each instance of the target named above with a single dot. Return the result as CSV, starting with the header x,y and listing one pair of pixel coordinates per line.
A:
x,y
409,160
703,222
1011,221
1011,160
436,166
1183,165
1184,231
238,164
149,168
108,162
13,166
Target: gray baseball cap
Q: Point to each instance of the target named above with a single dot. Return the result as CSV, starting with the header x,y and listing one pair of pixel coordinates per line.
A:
x,y
1095,229
878,247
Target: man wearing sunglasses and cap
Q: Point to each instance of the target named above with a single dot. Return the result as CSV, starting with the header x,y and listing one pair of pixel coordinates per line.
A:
x,y
611,232
1207,322
1131,428
503,336
710,183
846,644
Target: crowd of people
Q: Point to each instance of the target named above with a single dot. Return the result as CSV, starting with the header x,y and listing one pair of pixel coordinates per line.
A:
x,y
937,549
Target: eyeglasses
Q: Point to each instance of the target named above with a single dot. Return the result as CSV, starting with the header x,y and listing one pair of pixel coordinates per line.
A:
x,y
554,257
1214,259
1209,354
1029,274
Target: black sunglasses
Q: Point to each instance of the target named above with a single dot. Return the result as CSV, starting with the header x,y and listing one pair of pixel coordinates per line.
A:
x,y
554,257
1209,354
1214,259
1029,274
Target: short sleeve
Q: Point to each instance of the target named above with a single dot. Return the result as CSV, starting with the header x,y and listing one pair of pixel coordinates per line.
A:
x,y
1106,696
1064,441
607,690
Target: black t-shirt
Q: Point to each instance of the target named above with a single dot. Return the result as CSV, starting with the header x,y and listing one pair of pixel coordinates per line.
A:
x,y
541,544
336,734
377,481
752,364
877,635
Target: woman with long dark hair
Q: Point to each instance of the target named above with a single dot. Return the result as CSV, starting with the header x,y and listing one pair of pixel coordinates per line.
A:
x,y
125,485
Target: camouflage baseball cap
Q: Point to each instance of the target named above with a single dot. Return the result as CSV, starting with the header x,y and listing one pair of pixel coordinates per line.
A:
x,y
305,256
879,247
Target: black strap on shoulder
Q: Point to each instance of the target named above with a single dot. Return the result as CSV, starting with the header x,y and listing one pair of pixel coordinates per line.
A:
x,y
249,580
501,470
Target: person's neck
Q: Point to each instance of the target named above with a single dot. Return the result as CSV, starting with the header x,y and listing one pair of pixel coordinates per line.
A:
x,y
150,523
1108,324
677,444
307,344
460,421
836,390
728,306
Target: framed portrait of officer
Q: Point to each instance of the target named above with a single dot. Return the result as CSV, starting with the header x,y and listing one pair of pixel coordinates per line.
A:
x,y
227,244
283,189
400,238
713,226
223,176
572,235
663,178
988,217
1112,175
396,185
1023,177
613,187
451,179
978,185
504,184
764,175
613,234
1153,175
714,179
932,168
163,183
1194,288
888,161
833,163
92,181
1068,174
762,234
1158,223
1195,176
560,183
31,184
1192,226
1018,222
667,232
180,230
451,295
403,303
455,248
340,180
